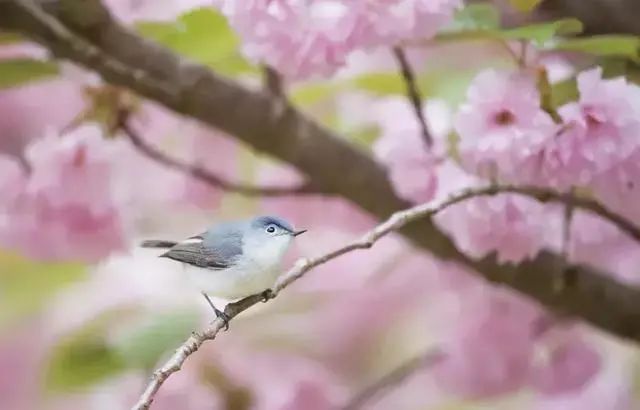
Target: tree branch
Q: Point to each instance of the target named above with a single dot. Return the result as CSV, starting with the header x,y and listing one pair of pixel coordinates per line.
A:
x,y
413,93
273,81
302,266
203,174
393,379
85,33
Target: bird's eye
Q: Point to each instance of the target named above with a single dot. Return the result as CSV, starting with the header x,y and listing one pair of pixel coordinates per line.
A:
x,y
271,229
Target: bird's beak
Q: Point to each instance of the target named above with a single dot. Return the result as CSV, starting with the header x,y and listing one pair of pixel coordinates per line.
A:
x,y
296,233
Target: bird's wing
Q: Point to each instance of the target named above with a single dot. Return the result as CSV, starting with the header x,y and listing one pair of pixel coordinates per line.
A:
x,y
158,243
207,250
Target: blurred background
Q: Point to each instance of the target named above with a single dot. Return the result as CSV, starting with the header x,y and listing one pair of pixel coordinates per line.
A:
x,y
86,315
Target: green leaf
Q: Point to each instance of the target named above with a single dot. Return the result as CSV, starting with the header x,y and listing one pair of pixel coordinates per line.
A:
x,y
382,83
7,37
365,136
84,357
544,32
605,45
202,35
27,285
146,342
564,92
450,86
20,71
525,6
540,34
479,16
311,93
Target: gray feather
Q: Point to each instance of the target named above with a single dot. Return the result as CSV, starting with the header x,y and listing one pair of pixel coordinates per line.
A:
x,y
219,248
158,243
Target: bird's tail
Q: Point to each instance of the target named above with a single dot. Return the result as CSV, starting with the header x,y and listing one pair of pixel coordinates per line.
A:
x,y
158,243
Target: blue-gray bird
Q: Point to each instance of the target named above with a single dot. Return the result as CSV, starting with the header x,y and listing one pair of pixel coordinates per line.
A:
x,y
233,260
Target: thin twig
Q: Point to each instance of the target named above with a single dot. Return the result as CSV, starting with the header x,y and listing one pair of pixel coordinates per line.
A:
x,y
394,222
206,176
567,218
413,93
393,379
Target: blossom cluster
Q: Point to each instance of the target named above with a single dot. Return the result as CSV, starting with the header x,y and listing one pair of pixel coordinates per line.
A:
x,y
302,39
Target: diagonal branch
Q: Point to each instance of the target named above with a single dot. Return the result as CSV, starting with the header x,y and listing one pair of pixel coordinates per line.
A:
x,y
412,93
393,379
393,223
85,33
205,175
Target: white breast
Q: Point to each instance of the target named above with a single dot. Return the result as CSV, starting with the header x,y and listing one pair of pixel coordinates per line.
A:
x,y
256,271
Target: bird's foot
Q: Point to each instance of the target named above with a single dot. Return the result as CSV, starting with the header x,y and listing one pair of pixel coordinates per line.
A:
x,y
225,318
266,295
219,314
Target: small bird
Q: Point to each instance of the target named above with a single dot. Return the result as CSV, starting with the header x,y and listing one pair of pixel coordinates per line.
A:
x,y
233,260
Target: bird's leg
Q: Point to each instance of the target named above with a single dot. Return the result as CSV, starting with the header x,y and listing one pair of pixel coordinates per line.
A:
x,y
219,313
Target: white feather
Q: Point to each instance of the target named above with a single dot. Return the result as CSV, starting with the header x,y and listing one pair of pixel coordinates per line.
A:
x,y
255,272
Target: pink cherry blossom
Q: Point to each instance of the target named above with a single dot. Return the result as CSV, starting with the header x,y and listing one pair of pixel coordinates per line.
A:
x,y
487,349
213,152
299,39
65,209
411,163
387,22
597,242
309,396
31,110
611,389
619,187
412,168
303,39
600,130
508,224
279,379
501,123
567,362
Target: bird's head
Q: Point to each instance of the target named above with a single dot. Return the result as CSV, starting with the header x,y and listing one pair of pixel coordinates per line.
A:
x,y
269,237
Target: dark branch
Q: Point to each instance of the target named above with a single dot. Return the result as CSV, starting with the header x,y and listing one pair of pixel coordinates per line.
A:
x,y
273,81
203,174
413,93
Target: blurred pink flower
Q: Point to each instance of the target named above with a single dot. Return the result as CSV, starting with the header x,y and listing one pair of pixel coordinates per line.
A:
x,y
309,396
401,148
31,110
297,38
388,22
12,179
508,224
279,380
597,242
600,131
488,347
157,186
501,123
21,354
611,389
65,209
213,152
303,39
568,362
619,187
